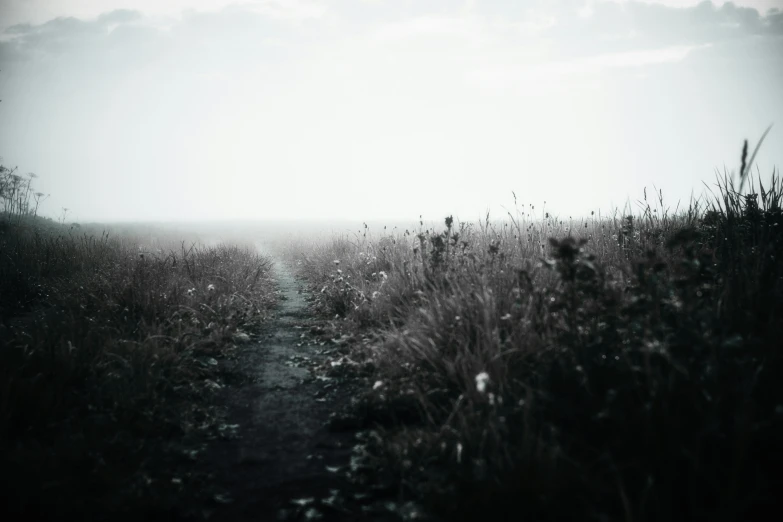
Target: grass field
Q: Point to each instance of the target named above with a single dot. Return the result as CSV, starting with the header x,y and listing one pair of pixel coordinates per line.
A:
x,y
603,368
607,368
108,355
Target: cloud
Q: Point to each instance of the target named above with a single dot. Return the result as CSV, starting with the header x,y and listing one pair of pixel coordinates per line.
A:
x,y
535,48
119,16
625,26
116,39
288,9
495,33
427,25
290,94
120,39
555,75
36,12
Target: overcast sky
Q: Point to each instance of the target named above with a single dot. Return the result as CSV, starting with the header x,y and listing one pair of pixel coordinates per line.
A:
x,y
376,109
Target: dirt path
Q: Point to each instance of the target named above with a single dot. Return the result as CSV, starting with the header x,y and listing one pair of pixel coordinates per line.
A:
x,y
281,449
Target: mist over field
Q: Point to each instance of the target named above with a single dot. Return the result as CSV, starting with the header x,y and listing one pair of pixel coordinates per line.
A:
x,y
372,109
391,260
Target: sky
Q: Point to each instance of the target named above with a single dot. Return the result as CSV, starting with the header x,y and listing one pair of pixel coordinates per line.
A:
x,y
382,109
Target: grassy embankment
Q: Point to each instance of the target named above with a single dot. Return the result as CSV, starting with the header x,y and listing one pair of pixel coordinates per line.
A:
x,y
108,347
624,368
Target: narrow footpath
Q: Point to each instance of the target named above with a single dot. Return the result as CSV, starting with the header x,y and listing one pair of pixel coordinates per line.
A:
x,y
281,461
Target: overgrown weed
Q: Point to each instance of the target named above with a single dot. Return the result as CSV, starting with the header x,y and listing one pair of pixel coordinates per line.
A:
x,y
108,359
609,368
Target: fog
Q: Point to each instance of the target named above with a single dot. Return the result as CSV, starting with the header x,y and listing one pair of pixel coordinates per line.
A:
x,y
353,110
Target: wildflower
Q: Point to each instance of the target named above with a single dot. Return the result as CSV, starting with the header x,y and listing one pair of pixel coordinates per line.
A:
x,y
191,291
482,380
211,287
383,274
336,261
377,385
506,317
376,295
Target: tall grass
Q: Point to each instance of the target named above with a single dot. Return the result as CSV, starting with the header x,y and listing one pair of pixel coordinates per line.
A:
x,y
621,368
107,361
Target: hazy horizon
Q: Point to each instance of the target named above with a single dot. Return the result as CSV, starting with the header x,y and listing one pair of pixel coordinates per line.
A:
x,y
375,110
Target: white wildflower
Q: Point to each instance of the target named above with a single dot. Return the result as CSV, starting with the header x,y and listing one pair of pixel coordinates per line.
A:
x,y
482,380
377,385
211,287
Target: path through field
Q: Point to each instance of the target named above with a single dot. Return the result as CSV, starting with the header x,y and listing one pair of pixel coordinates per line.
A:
x,y
281,449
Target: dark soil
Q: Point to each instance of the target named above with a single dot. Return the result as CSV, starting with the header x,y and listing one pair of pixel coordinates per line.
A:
x,y
281,460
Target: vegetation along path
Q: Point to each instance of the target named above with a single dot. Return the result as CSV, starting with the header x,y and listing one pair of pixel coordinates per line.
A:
x,y
282,461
